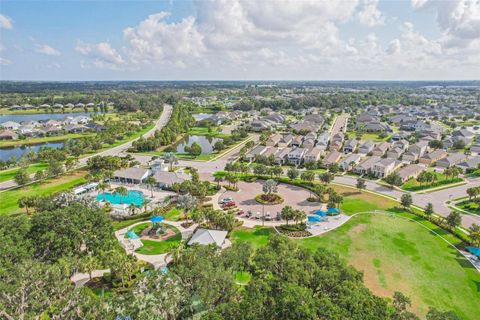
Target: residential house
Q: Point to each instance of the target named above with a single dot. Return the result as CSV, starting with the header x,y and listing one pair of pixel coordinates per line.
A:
x,y
350,146
131,175
11,125
432,157
259,125
451,160
464,135
365,167
281,155
295,156
410,171
384,167
313,154
400,135
52,131
308,143
8,135
331,158
475,148
258,150
322,140
469,164
366,147
380,149
273,140
311,135
297,141
395,153
75,128
350,161
285,141
415,151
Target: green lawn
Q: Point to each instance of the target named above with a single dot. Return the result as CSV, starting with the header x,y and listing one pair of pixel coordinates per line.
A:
x,y
63,137
174,214
414,185
9,174
470,206
8,204
397,255
242,277
203,131
368,136
152,247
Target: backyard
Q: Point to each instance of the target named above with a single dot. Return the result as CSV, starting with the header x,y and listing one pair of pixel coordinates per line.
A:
x,y
396,254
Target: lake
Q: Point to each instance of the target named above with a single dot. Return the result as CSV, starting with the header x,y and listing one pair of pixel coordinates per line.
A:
x,y
18,151
40,116
206,143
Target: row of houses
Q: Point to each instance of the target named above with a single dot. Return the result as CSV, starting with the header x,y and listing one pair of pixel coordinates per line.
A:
x,y
12,130
59,106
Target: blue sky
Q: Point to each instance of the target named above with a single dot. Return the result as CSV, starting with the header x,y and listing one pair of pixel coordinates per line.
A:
x,y
239,39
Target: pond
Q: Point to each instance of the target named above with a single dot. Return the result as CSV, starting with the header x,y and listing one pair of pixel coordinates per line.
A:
x,y
40,116
206,143
18,151
201,116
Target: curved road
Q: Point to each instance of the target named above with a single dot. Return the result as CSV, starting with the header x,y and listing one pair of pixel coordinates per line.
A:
x,y
161,122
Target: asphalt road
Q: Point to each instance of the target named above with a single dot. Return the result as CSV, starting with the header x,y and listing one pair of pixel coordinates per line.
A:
x,y
340,124
161,122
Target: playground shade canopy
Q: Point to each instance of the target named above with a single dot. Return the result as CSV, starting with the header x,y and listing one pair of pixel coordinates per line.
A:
x,y
314,219
157,219
320,213
132,235
333,211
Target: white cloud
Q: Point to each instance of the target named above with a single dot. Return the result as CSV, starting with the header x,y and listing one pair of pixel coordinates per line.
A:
x,y
47,50
104,56
370,15
5,62
5,22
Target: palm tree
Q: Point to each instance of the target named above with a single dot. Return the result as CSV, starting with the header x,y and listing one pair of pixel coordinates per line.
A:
x,y
176,253
132,208
172,159
269,186
151,182
186,202
122,191
218,179
102,186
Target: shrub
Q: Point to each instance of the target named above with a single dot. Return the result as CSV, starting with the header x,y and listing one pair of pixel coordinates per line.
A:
x,y
272,198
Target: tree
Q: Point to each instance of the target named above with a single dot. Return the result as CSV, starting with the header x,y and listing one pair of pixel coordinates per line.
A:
x,y
361,184
429,209
22,177
400,305
454,219
27,202
172,159
39,175
434,314
299,216
287,213
55,168
394,179
122,191
475,234
218,179
277,171
326,177
151,182
219,146
195,149
70,163
435,144
132,208
270,186
406,200
186,202
293,173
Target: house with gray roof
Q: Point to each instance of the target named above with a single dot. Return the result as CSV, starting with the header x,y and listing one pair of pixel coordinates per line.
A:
x,y
131,175
165,179
451,160
410,171
207,237
365,167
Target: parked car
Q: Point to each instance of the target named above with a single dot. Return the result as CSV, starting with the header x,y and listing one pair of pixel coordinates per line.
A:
x,y
229,204
225,200
240,212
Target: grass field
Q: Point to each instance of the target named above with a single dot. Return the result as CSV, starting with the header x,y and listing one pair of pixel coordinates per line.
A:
x,y
8,204
397,255
368,136
38,140
9,174
414,185
202,131
152,247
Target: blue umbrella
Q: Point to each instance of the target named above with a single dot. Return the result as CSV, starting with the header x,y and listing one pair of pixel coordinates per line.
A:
x,y
157,219
314,219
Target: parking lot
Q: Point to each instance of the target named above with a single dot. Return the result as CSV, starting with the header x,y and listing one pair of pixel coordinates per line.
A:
x,y
293,196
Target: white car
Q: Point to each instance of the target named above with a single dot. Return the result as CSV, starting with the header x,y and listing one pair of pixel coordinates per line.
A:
x,y
225,200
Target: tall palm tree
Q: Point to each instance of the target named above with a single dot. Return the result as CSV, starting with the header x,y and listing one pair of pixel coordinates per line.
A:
x,y
102,186
218,179
122,191
186,202
132,208
151,182
172,159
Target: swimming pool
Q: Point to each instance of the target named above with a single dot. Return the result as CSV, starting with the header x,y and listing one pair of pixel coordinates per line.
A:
x,y
132,196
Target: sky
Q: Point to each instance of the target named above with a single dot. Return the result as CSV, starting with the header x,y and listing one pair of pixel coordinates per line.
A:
x,y
240,40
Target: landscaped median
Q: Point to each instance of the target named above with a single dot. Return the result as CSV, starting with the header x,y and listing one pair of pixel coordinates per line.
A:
x,y
439,180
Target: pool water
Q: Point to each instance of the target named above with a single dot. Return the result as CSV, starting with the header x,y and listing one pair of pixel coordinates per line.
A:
x,y
133,196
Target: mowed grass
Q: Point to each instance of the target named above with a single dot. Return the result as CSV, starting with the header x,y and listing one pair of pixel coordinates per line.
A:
x,y
396,255
29,141
9,199
414,185
9,174
358,201
151,247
